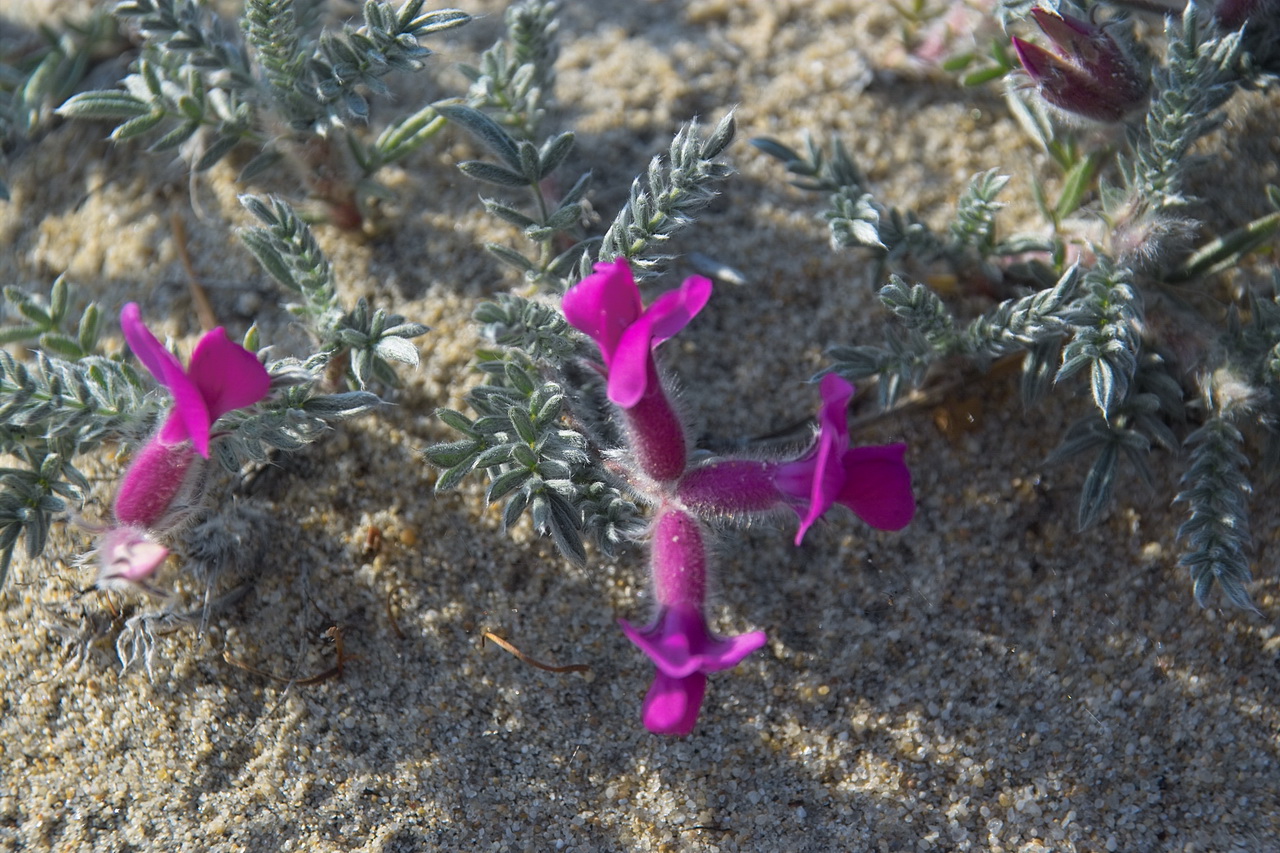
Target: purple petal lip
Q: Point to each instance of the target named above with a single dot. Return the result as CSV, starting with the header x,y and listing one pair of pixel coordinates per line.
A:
x,y
680,643
606,306
222,376
684,650
872,481
672,704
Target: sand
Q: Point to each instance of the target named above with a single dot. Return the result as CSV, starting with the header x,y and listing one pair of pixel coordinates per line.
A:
x,y
988,679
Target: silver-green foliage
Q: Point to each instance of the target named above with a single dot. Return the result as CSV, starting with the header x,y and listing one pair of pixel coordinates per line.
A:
x,y
515,78
534,461
667,197
58,405
199,75
1098,322
371,338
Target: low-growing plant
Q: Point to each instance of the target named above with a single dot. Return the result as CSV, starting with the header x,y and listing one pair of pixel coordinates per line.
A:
x,y
279,82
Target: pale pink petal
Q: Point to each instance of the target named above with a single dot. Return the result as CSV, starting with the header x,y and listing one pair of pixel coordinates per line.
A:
x,y
671,706
228,375
127,556
603,305
877,486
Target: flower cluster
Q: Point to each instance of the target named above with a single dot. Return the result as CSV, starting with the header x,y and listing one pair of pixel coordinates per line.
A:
x,y
872,481
163,485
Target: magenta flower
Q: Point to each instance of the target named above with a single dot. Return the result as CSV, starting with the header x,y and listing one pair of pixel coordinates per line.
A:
x,y
872,481
606,305
684,651
678,642
1090,75
222,376
163,485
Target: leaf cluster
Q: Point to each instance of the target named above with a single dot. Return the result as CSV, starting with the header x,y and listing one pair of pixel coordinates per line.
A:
x,y
515,78
295,415
286,248
198,75
667,197
534,460
51,410
856,219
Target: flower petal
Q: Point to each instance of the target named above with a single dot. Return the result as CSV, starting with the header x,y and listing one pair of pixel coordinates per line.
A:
x,y
127,556
816,479
673,310
671,706
162,364
603,305
190,417
877,486
672,652
632,368
680,643
833,416
228,375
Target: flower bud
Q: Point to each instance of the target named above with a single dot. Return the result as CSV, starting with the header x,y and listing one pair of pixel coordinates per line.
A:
x,y
1089,75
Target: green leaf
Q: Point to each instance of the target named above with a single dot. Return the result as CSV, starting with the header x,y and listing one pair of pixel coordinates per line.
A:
x,y
175,137
491,174
218,149
510,256
1078,181
259,243
553,153
565,524
408,134
397,349
103,104
489,132
1098,486
62,345
259,165
452,477
523,424
458,421
451,453
506,483
137,126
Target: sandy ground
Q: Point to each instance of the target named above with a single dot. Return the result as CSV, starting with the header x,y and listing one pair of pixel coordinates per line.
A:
x,y
988,679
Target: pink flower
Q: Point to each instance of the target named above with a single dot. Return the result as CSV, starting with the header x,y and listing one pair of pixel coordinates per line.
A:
x,y
163,486
222,376
127,556
606,305
1089,75
872,481
684,651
